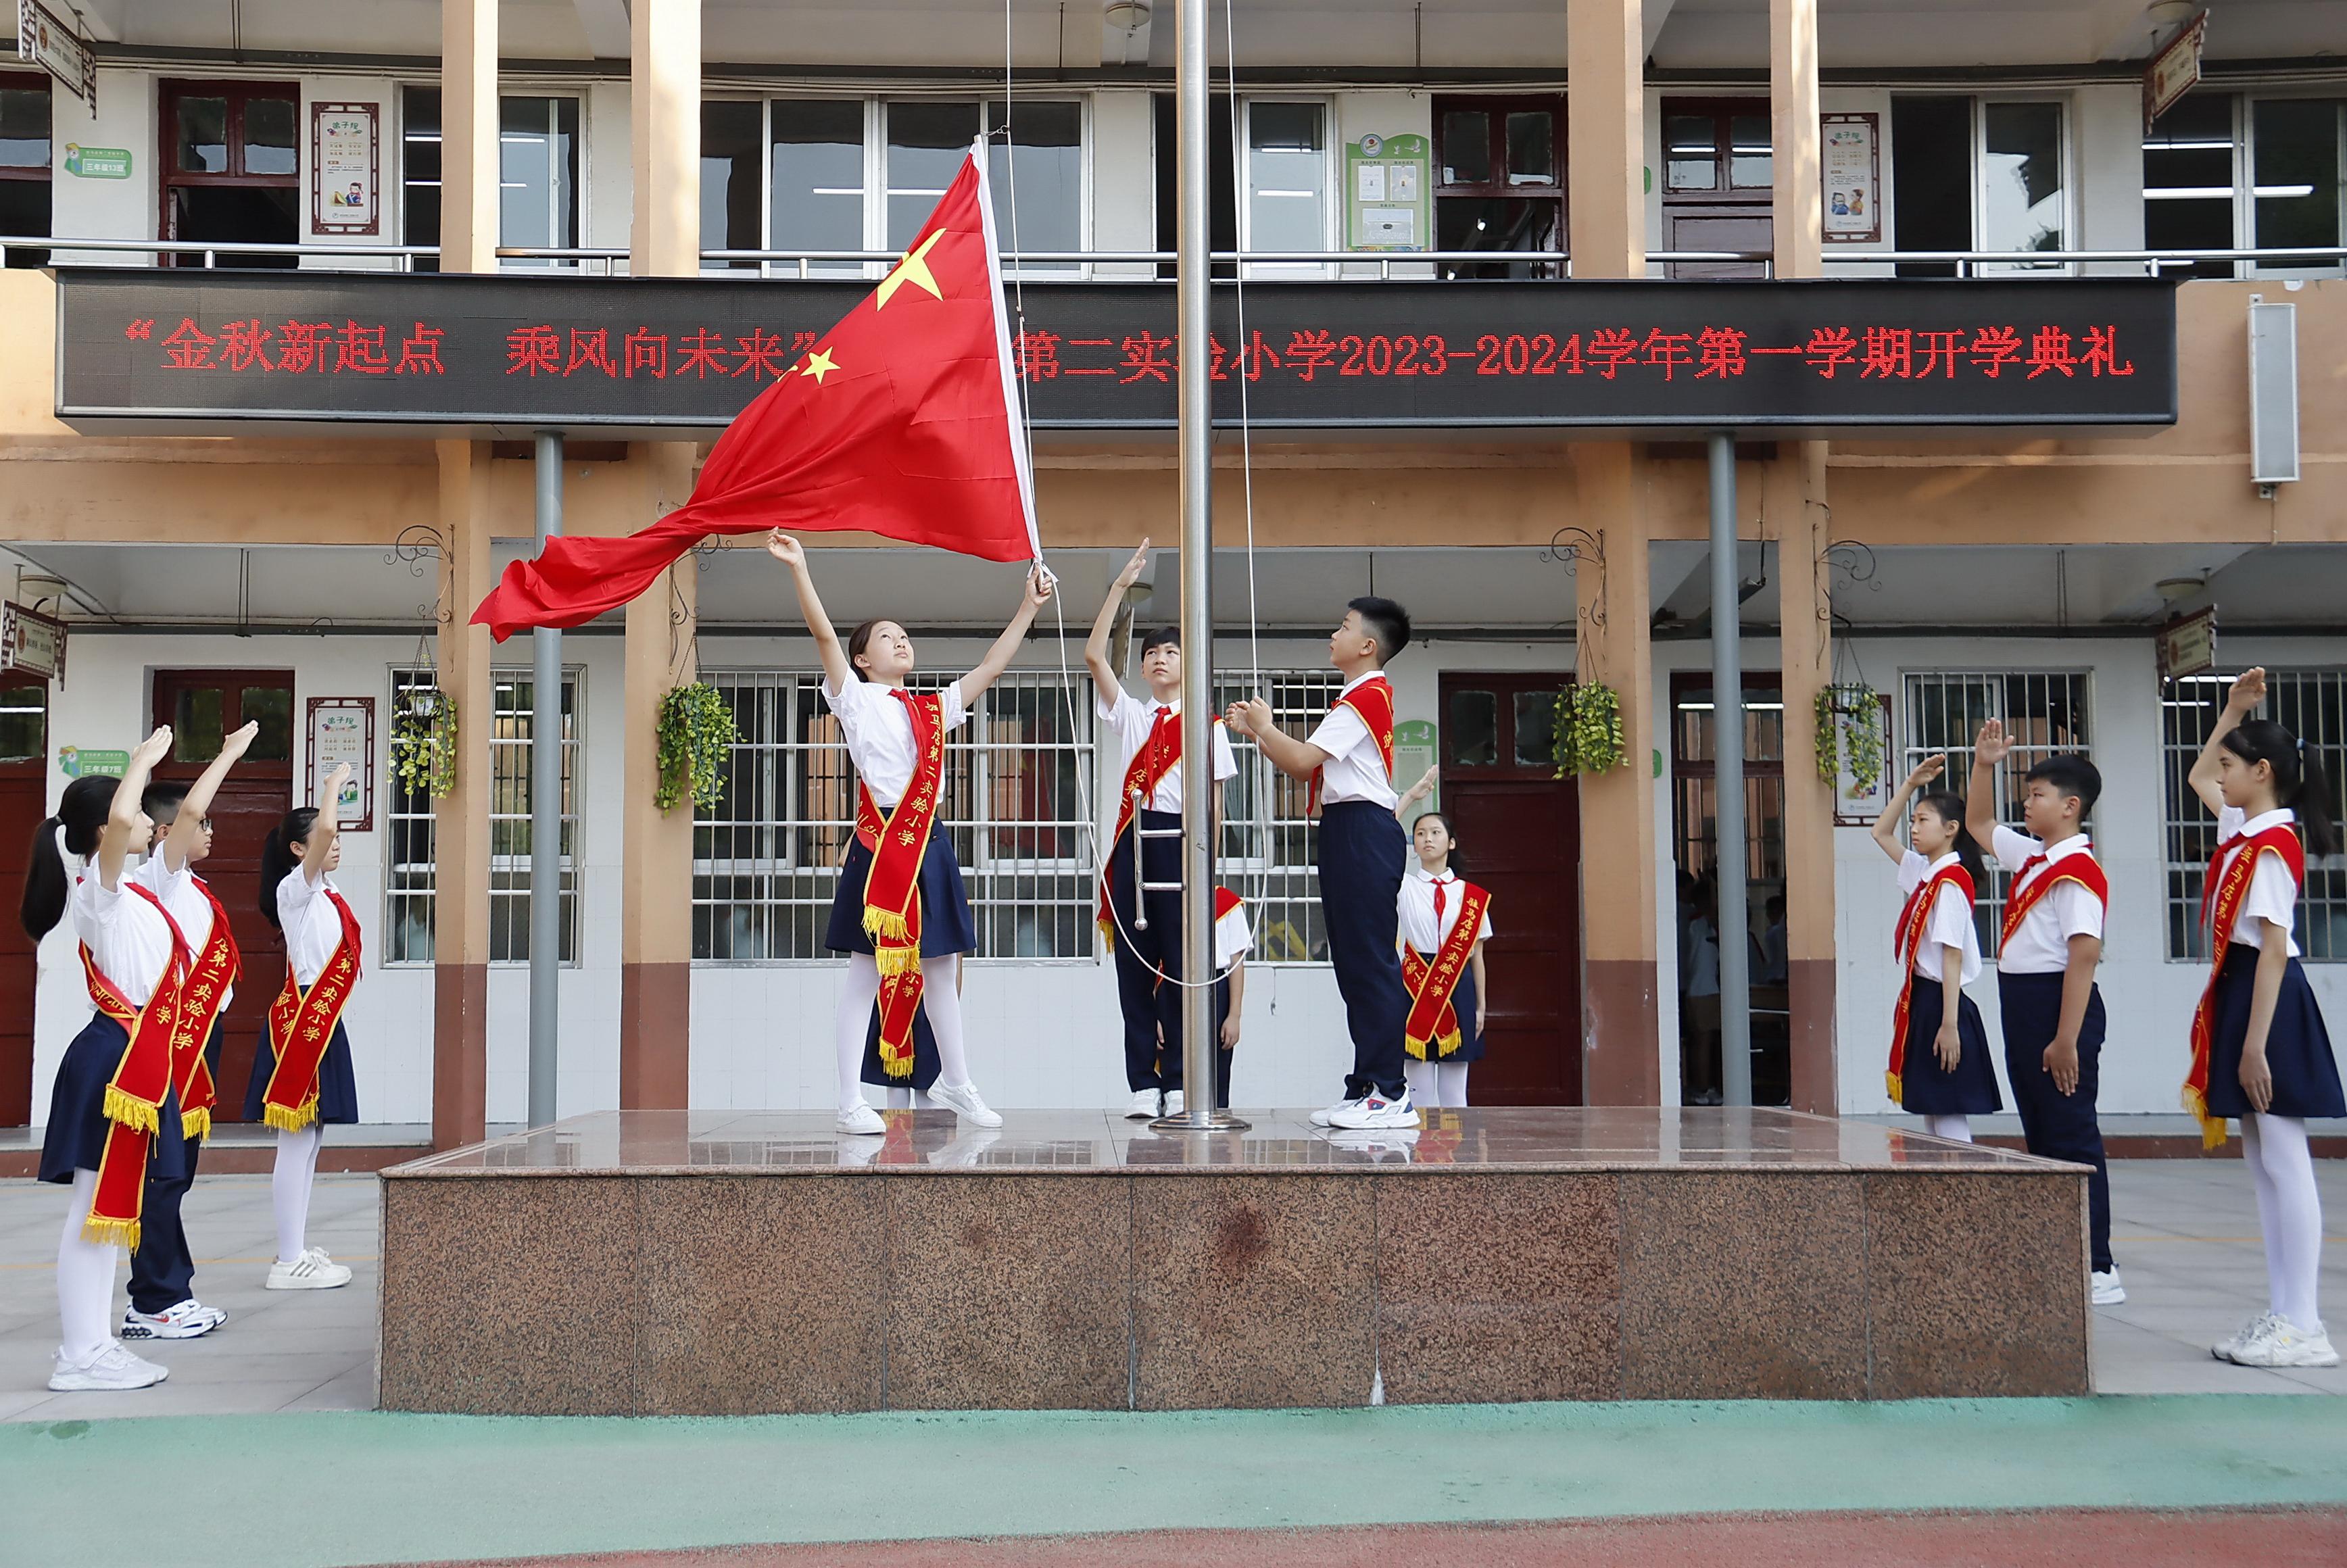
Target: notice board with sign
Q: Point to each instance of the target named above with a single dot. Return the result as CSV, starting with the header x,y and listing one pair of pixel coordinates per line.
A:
x,y
1387,192
345,169
341,730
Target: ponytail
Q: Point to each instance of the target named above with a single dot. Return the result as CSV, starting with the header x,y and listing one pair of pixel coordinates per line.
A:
x,y
81,820
1950,808
278,859
2300,782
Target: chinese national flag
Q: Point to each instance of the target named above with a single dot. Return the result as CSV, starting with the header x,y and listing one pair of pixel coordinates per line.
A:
x,y
904,421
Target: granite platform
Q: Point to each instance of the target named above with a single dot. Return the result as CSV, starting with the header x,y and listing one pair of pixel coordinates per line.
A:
x,y
731,1263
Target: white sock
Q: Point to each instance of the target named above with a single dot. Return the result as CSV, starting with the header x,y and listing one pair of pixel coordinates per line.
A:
x,y
2261,1184
1425,1080
289,1188
86,1271
1450,1078
856,995
941,999
1958,1128
2294,1228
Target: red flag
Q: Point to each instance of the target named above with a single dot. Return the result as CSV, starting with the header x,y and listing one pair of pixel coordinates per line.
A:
x,y
904,421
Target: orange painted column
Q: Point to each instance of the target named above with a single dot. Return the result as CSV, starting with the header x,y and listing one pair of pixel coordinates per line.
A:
x,y
1621,1059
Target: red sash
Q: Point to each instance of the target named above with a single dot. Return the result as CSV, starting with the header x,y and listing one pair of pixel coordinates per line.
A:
x,y
134,1096
2224,914
892,889
1373,700
1156,758
215,970
1432,1029
301,1026
1905,939
2081,868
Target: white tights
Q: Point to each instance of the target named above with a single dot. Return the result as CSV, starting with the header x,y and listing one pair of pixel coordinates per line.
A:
x,y
86,1271
940,1000
289,1187
1958,1127
2289,1213
1436,1083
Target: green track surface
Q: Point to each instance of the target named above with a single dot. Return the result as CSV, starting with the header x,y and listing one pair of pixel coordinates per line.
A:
x,y
368,1488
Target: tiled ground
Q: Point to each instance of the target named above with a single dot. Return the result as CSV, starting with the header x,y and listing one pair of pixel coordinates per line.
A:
x,y
2186,1236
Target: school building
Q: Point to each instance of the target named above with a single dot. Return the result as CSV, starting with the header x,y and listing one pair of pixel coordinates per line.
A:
x,y
317,578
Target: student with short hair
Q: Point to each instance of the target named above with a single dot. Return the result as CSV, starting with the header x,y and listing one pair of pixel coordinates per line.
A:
x,y
2049,947
1348,761
1939,1067
1234,939
900,916
2259,1049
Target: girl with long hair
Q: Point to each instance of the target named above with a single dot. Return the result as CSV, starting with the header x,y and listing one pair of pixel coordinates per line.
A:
x,y
1941,1068
1444,921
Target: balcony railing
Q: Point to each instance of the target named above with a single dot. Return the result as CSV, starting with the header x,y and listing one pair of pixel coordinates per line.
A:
x,y
1124,266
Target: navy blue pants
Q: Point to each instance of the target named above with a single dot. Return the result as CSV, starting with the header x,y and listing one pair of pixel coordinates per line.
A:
x,y
2055,1125
1362,851
163,1271
1148,1006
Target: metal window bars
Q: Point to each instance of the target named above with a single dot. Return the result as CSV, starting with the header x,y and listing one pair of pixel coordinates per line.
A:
x,y
1270,848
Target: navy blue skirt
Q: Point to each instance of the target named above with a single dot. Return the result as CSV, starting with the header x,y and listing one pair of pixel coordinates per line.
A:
x,y
1927,1088
338,1086
925,1054
945,906
76,1137
1463,1002
2297,1048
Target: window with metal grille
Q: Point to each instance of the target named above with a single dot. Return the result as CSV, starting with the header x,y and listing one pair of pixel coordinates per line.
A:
x,y
766,859
410,876
2045,713
2310,704
1270,847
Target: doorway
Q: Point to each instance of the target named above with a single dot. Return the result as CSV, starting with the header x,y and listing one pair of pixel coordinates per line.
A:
x,y
1718,183
24,803
1519,829
203,707
231,168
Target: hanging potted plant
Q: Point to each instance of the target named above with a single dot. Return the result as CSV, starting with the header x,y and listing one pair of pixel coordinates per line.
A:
x,y
1850,734
1588,729
424,742
696,733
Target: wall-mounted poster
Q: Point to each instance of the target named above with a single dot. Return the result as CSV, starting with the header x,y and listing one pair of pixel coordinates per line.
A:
x,y
341,730
345,169
1851,152
1385,193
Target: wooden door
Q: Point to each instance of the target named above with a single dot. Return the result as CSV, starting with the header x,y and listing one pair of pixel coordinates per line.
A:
x,y
24,803
1518,828
1718,183
203,706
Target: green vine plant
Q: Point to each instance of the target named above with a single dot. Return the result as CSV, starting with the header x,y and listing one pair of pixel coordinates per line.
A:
x,y
696,735
1850,734
424,742
1588,729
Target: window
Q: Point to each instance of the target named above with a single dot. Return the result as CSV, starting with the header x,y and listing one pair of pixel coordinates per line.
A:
x,y
1270,847
1499,181
410,878
1970,174
23,720
1722,145
2023,198
1930,179
537,174
420,172
731,194
2195,197
24,164
2312,705
1695,792
1286,175
766,860
2044,714
231,168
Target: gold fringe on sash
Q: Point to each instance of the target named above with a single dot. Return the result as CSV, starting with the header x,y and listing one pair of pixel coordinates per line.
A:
x,y
197,1123
129,1110
111,1232
287,1120
2213,1130
1898,1089
1432,1050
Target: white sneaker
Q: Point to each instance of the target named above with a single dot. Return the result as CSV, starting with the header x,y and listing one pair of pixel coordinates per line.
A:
x,y
314,1270
2107,1290
1374,1110
1144,1107
962,1100
2255,1328
1376,1147
1173,1102
112,1368
1326,1115
2285,1344
190,1319
863,1121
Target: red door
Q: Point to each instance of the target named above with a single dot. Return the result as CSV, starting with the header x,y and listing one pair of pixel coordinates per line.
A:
x,y
24,803
1518,828
203,706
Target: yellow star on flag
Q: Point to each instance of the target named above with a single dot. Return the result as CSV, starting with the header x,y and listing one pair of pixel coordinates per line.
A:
x,y
915,270
819,364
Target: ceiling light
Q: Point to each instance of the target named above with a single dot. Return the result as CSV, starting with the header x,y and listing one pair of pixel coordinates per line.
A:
x,y
1127,16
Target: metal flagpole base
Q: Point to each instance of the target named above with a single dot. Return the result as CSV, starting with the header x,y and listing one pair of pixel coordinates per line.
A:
x,y
1200,1121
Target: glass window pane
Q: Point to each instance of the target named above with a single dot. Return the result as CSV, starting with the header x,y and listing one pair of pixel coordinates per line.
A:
x,y
730,192
1474,728
2021,177
926,142
1749,163
419,154
25,209
538,163
1535,728
2296,147
24,722
268,136
270,707
1287,177
196,728
1043,169
1532,147
200,129
817,174
1691,142
24,127
1498,223
1466,146
2189,179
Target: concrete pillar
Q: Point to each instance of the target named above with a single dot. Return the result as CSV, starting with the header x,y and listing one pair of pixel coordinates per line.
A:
x,y
1607,231
656,853
1793,495
460,822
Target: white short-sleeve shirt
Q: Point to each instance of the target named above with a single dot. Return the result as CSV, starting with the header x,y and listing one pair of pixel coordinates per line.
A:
x,y
2041,945
1356,768
128,938
1133,720
2273,891
1420,927
182,894
879,734
1950,924
313,926
1233,937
